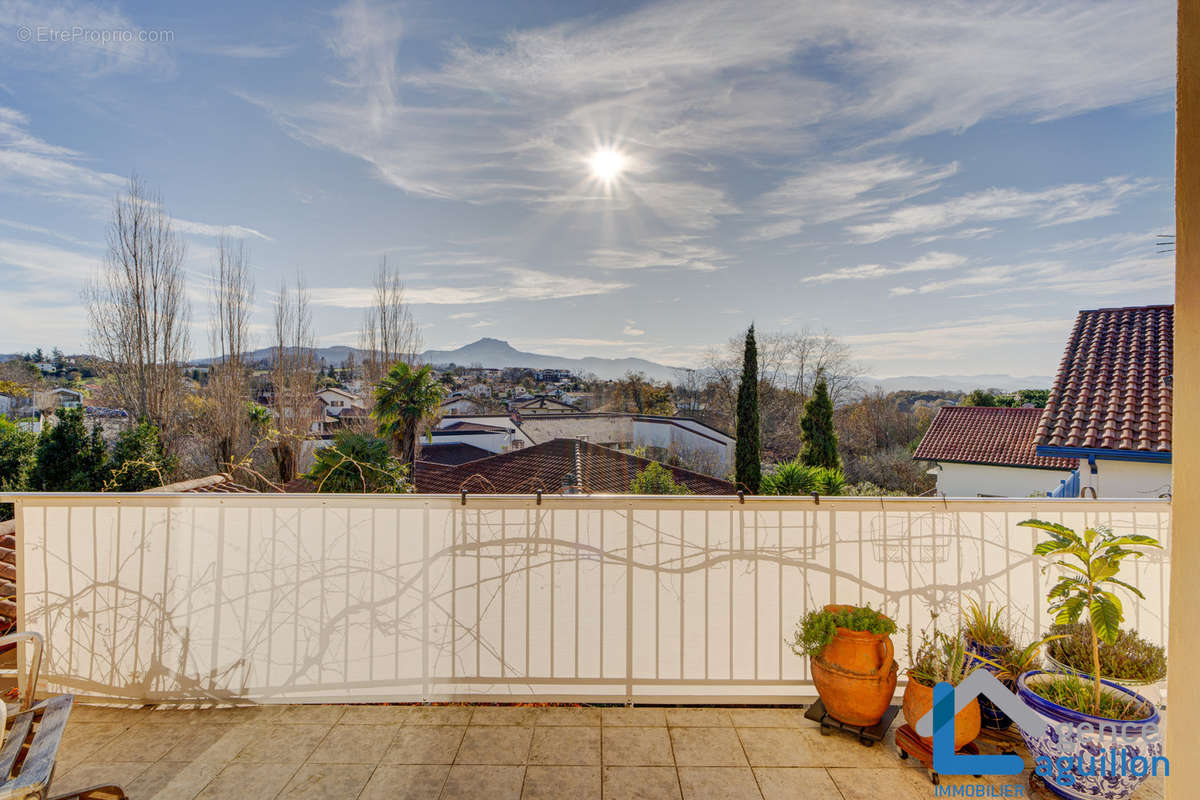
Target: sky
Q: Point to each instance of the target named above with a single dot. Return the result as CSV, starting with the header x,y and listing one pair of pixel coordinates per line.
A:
x,y
940,185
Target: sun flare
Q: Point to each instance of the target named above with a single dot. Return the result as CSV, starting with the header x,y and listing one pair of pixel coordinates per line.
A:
x,y
606,165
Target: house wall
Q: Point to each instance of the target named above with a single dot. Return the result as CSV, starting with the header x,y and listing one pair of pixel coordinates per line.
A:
x,y
973,480
1126,478
700,448
492,442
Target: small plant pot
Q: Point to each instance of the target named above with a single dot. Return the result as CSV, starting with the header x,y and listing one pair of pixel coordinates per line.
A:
x,y
1128,739
918,701
855,675
990,716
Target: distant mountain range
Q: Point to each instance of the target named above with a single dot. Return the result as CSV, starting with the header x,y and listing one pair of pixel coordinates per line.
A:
x,y
495,354
498,354
956,383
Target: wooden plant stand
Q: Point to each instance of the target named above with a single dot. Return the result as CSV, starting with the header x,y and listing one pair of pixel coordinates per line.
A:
x,y
867,736
912,745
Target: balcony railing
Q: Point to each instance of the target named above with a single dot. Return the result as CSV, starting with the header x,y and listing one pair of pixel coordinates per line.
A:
x,y
275,598
1067,487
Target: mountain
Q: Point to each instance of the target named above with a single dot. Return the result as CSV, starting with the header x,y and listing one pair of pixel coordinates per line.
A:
x,y
956,383
497,354
324,355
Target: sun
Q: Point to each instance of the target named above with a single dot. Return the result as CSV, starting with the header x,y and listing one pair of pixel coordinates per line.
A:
x,y
606,165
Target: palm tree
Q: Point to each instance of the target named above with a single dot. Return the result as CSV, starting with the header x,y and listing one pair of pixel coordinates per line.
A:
x,y
403,398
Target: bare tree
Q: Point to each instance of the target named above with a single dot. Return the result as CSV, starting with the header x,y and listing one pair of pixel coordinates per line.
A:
x,y
390,331
293,377
138,308
789,365
224,420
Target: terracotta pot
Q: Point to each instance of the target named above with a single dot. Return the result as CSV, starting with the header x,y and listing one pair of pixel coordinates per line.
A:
x,y
918,700
855,675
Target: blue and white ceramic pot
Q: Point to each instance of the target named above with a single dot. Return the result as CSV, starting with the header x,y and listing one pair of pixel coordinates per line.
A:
x,y
1105,754
990,716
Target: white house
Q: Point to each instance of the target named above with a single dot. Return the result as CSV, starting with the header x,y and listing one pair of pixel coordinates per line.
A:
x,y
457,406
1105,431
989,452
695,445
335,401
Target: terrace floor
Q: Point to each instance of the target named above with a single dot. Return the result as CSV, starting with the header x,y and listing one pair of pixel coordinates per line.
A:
x,y
491,752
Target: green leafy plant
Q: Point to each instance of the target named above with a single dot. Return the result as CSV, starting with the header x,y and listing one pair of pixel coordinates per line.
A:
x,y
816,630
1074,691
656,479
1012,661
1129,658
795,478
358,462
941,658
982,625
1091,562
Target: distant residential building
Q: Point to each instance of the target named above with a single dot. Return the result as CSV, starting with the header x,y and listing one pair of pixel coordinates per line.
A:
x,y
459,405
541,404
663,438
559,466
552,375
60,397
989,452
111,421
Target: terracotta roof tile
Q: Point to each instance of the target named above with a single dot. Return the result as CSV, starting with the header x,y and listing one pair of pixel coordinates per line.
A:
x,y
978,435
543,466
1113,390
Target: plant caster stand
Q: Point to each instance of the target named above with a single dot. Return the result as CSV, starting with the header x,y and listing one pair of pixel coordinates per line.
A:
x,y
1007,742
910,744
867,736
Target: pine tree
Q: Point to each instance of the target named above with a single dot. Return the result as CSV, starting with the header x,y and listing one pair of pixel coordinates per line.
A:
x,y
748,453
816,426
68,459
138,460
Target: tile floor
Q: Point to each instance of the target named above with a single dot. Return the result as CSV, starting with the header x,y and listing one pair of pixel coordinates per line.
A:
x,y
489,752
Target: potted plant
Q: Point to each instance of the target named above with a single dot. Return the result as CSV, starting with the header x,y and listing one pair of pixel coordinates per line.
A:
x,y
940,659
1130,660
852,660
1106,717
987,642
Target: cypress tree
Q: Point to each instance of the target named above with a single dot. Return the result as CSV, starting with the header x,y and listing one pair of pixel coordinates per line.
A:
x,y
816,426
748,453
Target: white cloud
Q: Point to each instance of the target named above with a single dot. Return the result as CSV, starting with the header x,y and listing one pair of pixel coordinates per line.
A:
x,y
43,262
81,38
1124,276
1057,205
519,284
207,229
250,51
631,329
672,252
839,191
955,338
681,83
928,262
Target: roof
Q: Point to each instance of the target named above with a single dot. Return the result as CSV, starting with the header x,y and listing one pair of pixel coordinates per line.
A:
x,y
220,483
544,401
999,437
1113,389
452,453
469,427
599,469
